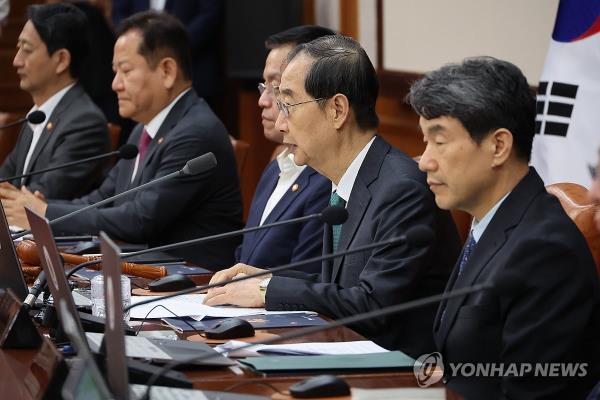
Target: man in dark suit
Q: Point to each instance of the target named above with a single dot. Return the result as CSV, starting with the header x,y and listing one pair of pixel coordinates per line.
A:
x,y
285,190
478,122
51,49
330,125
203,20
153,85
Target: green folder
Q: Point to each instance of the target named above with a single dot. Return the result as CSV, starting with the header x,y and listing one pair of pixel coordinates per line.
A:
x,y
343,362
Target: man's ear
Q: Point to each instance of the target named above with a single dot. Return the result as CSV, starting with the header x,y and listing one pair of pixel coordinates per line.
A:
x,y
502,145
62,58
339,109
169,70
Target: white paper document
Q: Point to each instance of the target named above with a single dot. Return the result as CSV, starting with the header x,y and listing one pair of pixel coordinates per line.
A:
x,y
314,348
190,305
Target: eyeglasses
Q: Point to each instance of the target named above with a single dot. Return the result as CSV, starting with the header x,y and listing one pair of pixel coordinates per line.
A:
x,y
285,107
266,87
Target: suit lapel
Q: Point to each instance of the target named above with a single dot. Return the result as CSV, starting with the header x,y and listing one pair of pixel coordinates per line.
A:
x,y
174,116
23,148
52,122
493,239
360,197
258,206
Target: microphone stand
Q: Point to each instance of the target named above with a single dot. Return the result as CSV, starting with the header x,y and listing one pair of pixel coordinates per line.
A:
x,y
382,312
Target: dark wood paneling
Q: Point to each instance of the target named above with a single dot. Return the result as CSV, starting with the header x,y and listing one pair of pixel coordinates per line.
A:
x,y
349,18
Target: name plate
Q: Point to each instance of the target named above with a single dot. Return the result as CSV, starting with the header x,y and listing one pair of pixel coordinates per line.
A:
x,y
17,330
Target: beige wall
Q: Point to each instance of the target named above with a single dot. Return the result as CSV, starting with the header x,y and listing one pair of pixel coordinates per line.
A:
x,y
420,35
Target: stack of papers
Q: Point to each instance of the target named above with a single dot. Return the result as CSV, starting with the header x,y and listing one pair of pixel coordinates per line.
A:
x,y
315,348
191,305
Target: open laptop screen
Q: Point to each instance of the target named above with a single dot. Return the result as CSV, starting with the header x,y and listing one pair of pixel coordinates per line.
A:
x,y
11,276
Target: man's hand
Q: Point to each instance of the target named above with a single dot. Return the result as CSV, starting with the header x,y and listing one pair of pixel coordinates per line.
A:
x,y
243,294
14,202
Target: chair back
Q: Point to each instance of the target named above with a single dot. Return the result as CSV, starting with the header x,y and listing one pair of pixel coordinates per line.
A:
x,y
577,204
240,149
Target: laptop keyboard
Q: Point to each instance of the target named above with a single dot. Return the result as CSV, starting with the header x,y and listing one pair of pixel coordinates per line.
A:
x,y
167,393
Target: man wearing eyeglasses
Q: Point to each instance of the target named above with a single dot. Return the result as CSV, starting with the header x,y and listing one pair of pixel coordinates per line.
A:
x,y
327,100
285,190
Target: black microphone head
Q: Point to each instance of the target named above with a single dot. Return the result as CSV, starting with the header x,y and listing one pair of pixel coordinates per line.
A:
x,y
334,215
419,235
128,151
36,117
200,164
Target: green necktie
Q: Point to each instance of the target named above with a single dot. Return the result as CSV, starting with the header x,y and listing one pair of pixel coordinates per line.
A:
x,y
336,230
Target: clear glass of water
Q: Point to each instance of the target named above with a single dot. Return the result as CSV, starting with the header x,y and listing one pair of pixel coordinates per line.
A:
x,y
98,306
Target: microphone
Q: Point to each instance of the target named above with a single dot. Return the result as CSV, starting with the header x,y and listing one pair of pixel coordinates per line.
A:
x,y
35,291
126,152
331,215
194,166
497,285
414,237
34,117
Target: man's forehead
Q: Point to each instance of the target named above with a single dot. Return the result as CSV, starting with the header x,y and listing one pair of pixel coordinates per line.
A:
x,y
294,74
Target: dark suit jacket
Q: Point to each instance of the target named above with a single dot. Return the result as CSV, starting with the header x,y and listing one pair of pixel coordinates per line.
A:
x,y
389,196
289,243
552,315
203,20
179,209
78,130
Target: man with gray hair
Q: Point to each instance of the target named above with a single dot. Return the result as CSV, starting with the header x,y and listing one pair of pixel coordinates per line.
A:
x,y
477,120
327,116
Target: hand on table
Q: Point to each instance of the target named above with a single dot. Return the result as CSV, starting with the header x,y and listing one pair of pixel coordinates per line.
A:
x,y
244,294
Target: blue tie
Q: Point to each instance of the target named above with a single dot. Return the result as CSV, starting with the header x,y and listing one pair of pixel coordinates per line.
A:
x,y
466,253
336,230
463,261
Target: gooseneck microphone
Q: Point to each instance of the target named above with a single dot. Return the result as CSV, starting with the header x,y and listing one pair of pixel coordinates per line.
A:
x,y
194,166
34,117
414,237
331,215
126,152
382,312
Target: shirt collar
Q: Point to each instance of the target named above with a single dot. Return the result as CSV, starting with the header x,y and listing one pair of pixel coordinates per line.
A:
x,y
287,166
344,187
156,122
49,105
478,227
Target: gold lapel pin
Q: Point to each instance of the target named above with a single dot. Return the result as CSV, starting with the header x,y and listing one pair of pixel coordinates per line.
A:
x,y
49,126
160,140
295,187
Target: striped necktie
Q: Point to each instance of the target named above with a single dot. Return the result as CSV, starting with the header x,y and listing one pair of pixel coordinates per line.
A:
x,y
336,230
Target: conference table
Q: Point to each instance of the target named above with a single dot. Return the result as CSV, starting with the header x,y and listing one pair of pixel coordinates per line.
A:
x,y
17,368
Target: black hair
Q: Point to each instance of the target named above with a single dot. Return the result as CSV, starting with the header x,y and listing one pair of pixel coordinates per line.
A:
x,y
342,66
484,94
297,35
163,35
62,26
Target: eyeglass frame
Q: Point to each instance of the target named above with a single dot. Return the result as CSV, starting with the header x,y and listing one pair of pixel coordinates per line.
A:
x,y
285,107
264,87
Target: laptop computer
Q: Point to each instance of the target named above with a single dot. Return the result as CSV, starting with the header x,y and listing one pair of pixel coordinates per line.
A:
x,y
11,276
86,382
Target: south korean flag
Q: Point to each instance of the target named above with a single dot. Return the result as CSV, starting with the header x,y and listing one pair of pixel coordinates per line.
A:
x,y
567,139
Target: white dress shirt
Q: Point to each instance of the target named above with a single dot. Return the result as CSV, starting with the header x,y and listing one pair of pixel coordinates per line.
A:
x,y
288,175
47,108
154,125
158,5
344,188
478,227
